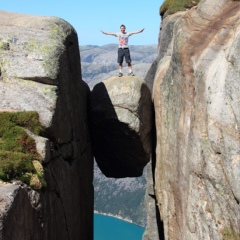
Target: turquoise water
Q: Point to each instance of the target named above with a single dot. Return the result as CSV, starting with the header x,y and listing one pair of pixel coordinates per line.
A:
x,y
110,228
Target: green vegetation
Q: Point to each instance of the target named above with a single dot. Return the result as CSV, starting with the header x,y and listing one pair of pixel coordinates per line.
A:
x,y
230,234
59,28
172,6
17,148
4,63
4,46
31,45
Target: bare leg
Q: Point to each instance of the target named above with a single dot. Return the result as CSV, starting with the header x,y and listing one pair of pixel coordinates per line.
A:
x,y
120,67
120,70
130,70
130,67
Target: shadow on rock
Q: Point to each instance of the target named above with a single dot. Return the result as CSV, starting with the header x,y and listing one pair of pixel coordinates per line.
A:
x,y
121,113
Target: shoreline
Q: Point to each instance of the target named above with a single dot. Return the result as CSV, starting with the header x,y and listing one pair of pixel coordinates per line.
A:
x,y
118,217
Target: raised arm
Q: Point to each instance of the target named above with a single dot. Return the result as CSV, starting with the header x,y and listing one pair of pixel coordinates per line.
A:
x,y
135,32
109,33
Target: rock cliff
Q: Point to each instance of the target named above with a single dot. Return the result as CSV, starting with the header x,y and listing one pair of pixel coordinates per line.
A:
x,y
196,98
46,158
40,71
193,191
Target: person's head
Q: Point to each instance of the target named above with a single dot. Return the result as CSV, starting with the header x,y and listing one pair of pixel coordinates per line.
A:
x,y
122,28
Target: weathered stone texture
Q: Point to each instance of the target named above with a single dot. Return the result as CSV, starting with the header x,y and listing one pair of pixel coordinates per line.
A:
x,y
17,211
196,96
154,229
121,120
40,71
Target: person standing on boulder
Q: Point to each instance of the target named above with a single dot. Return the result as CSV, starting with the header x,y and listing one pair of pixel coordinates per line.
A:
x,y
123,49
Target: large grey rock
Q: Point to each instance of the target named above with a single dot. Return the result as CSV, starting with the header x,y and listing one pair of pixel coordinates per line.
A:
x,y
40,71
196,98
121,120
19,218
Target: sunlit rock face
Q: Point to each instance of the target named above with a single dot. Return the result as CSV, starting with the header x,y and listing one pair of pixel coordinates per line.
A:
x,y
40,71
196,94
121,121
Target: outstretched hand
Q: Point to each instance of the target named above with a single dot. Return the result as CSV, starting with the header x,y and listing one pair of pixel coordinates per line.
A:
x,y
102,31
142,30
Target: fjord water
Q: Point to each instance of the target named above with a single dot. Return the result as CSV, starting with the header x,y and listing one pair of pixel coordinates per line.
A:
x,y
110,228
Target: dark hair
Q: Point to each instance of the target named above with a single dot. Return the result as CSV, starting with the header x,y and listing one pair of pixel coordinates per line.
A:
x,y
122,26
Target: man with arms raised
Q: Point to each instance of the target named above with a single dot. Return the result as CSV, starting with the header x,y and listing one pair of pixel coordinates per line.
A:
x,y
123,48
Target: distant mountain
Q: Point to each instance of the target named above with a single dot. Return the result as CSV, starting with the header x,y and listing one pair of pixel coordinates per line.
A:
x,y
100,62
122,197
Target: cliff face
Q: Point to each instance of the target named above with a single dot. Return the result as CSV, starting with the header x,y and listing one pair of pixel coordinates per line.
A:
x,y
196,167
40,71
196,98
46,164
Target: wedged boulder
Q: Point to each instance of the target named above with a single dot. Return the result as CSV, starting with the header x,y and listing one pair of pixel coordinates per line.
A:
x,y
40,72
121,122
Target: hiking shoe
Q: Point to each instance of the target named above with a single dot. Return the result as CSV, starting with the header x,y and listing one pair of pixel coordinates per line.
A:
x,y
120,74
131,74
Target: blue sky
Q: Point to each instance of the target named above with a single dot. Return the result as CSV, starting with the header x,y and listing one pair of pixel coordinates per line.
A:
x,y
88,17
